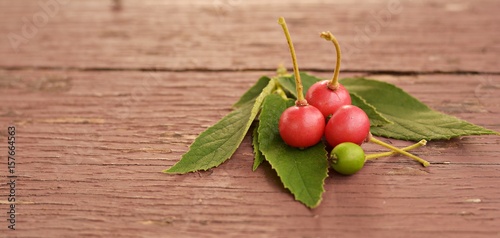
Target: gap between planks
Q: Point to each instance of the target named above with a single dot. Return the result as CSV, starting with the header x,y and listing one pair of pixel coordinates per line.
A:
x,y
226,70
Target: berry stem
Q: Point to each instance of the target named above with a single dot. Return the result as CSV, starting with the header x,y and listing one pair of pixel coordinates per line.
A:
x,y
301,101
334,83
385,154
425,163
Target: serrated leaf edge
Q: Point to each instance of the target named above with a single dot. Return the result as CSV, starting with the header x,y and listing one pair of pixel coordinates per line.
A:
x,y
253,114
322,191
294,195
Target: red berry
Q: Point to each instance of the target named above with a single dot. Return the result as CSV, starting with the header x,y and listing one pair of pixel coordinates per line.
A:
x,y
327,100
348,124
301,126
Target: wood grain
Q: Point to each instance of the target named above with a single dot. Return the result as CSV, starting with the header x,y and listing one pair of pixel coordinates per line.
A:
x,y
104,98
393,35
92,144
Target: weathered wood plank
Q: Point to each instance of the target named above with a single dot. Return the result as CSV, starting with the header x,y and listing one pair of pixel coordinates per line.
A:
x,y
92,144
405,35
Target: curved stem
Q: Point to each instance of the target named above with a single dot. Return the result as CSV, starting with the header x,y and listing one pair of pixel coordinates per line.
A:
x,y
385,154
425,163
298,82
334,83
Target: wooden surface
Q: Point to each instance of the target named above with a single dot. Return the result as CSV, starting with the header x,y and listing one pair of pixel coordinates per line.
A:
x,y
104,99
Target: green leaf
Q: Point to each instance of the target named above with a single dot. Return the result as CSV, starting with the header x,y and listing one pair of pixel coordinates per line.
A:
x,y
303,172
258,156
252,93
376,119
218,143
412,120
288,83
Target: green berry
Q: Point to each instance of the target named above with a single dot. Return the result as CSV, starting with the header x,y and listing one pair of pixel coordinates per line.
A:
x,y
348,158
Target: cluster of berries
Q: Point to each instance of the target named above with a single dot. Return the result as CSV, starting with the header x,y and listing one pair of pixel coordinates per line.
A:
x,y
326,112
